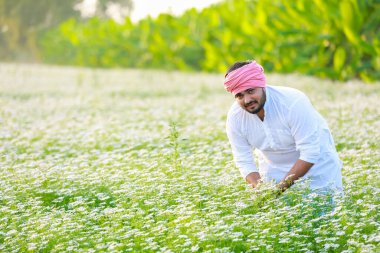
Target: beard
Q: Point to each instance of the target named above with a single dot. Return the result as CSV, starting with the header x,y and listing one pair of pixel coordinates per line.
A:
x,y
260,103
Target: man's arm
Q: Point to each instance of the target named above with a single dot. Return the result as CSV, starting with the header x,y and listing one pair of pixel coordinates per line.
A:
x,y
253,179
305,126
299,169
241,149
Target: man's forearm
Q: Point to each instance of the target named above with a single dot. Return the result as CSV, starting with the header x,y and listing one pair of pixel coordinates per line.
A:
x,y
299,169
253,179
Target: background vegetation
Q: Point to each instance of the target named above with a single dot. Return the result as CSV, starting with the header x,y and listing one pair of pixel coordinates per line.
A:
x,y
335,39
22,22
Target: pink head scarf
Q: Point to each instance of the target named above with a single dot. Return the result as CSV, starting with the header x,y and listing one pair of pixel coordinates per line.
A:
x,y
249,76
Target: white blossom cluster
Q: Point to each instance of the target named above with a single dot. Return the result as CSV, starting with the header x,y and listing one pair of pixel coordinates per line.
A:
x,y
138,161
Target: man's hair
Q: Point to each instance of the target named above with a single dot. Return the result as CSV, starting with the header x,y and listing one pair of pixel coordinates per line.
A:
x,y
237,65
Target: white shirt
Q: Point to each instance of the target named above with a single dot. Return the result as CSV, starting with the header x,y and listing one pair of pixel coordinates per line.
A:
x,y
292,129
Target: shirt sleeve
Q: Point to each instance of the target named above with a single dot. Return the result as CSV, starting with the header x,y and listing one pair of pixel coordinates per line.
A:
x,y
241,149
304,125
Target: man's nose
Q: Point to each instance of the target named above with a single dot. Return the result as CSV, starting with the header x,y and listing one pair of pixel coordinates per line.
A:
x,y
247,98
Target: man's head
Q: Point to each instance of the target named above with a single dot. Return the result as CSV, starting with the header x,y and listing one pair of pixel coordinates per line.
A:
x,y
246,81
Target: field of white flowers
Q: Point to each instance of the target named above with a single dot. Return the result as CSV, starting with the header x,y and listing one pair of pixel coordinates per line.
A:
x,y
138,161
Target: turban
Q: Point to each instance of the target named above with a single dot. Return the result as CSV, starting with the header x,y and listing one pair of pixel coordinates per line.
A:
x,y
249,76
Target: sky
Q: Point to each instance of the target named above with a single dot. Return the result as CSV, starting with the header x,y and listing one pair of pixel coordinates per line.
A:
x,y
142,8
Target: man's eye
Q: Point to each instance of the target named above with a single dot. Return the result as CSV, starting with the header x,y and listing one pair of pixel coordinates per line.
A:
x,y
239,96
251,91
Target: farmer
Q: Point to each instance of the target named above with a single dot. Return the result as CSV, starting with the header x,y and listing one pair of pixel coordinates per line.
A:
x,y
290,138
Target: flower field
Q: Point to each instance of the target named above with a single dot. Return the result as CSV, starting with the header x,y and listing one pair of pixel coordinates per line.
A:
x,y
138,161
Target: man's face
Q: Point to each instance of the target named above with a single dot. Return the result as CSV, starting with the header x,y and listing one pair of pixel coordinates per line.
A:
x,y
252,100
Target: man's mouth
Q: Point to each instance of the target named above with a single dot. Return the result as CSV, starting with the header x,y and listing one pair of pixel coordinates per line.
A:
x,y
251,104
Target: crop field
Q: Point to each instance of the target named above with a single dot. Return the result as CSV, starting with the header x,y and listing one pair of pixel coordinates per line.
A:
x,y
138,161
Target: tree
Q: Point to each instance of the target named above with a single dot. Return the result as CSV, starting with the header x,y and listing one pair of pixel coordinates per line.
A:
x,y
21,21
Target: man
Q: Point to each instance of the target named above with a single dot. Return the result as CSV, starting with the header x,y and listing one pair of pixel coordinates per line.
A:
x,y
290,137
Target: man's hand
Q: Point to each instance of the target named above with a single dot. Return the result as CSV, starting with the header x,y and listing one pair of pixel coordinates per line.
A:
x,y
299,169
253,179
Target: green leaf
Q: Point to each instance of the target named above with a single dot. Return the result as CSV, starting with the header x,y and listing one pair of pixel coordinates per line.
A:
x,y
339,58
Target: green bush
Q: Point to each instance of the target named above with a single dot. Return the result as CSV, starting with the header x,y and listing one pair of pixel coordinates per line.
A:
x,y
334,39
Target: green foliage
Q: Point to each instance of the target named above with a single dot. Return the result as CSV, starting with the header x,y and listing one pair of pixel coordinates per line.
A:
x,y
334,39
20,22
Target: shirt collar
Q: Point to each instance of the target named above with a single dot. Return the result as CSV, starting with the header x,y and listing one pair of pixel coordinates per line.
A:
x,y
268,100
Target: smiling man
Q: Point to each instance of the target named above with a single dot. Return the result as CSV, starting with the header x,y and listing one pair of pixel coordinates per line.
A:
x,y
291,138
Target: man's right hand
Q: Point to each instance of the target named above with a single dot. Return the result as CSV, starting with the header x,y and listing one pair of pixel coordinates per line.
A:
x,y
253,179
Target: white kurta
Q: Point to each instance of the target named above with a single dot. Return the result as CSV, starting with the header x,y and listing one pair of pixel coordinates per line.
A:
x,y
292,129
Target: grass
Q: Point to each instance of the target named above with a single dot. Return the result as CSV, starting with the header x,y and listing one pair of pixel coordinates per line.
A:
x,y
138,161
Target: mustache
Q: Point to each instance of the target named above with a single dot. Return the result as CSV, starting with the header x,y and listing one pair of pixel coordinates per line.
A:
x,y
251,102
